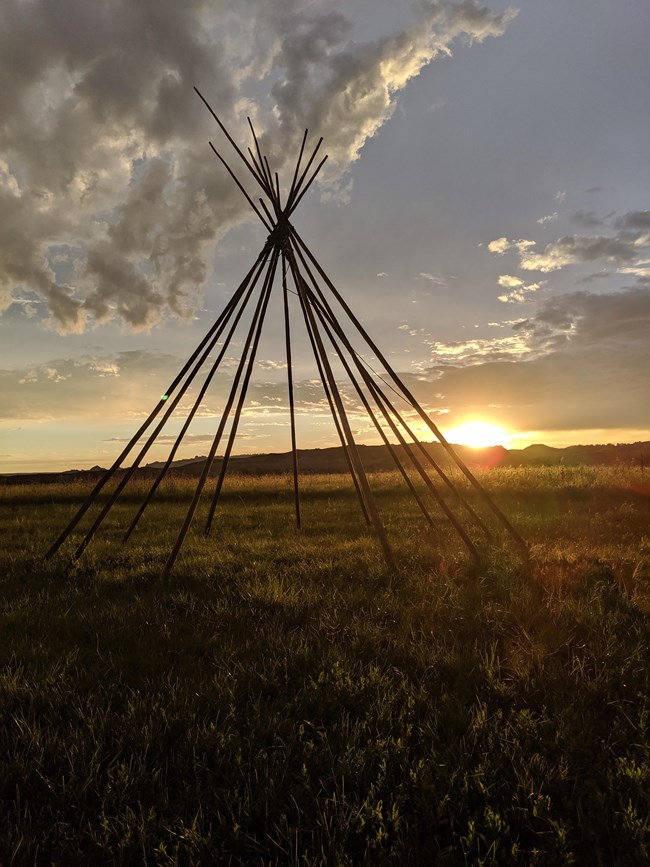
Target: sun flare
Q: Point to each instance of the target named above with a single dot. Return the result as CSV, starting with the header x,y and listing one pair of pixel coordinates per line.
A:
x,y
477,434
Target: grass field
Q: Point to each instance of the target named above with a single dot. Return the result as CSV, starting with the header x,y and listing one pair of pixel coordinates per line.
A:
x,y
283,699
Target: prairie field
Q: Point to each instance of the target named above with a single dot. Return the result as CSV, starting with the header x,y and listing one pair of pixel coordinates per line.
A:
x,y
283,697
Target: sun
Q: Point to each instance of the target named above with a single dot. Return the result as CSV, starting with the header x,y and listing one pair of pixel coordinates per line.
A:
x,y
477,434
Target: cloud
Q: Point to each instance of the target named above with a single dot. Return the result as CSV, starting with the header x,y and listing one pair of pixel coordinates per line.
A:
x,y
509,282
580,363
348,90
520,294
438,279
110,389
597,275
634,220
586,219
479,351
87,103
548,219
587,318
104,144
625,249
91,388
640,269
499,246
573,248
502,245
270,364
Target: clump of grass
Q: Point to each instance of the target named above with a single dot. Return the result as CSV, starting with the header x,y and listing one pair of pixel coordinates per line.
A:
x,y
278,700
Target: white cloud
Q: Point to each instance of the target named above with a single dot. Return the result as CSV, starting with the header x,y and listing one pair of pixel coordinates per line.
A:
x,y
573,248
499,246
480,350
270,364
104,143
520,294
502,245
550,218
625,249
509,282
438,279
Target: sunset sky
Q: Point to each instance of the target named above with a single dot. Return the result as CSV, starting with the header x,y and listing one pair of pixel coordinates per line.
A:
x,y
485,209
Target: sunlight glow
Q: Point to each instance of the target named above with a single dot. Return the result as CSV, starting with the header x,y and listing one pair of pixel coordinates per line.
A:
x,y
477,434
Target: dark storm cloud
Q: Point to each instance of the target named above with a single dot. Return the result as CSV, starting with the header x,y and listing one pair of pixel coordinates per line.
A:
x,y
104,143
586,219
590,278
94,88
634,221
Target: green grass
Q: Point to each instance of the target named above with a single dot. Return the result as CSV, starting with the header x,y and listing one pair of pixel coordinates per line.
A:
x,y
281,698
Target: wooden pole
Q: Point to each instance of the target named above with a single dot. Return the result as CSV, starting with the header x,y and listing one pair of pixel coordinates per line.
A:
x,y
297,169
277,189
354,454
292,419
209,340
307,186
260,164
241,187
242,395
266,210
297,186
332,407
373,417
143,451
321,301
217,438
199,398
377,397
407,393
231,140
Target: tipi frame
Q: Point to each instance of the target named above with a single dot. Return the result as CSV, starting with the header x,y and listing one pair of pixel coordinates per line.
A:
x,y
286,253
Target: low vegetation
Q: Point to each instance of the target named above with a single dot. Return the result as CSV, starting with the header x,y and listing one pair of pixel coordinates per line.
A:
x,y
282,698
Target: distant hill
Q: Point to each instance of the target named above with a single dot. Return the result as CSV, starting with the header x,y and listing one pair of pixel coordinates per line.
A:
x,y
626,453
375,458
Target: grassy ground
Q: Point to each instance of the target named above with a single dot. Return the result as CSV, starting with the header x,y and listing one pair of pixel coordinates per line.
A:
x,y
282,699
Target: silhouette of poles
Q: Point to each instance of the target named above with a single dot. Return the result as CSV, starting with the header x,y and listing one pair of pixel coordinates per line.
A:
x,y
354,454
199,398
322,303
373,418
261,306
335,417
244,389
322,324
201,353
292,418
129,472
410,397
378,399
